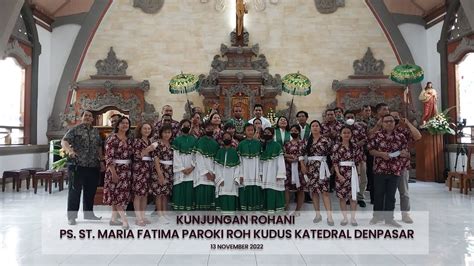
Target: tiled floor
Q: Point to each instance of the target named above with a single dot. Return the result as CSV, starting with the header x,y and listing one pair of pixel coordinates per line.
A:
x,y
451,237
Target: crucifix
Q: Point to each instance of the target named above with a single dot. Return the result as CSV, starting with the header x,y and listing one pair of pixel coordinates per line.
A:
x,y
241,10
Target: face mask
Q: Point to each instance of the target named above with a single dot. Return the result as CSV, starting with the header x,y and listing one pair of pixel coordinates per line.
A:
x,y
350,121
267,137
295,135
227,141
397,121
185,130
209,133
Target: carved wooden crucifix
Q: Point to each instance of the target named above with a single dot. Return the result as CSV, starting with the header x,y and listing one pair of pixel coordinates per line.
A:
x,y
241,10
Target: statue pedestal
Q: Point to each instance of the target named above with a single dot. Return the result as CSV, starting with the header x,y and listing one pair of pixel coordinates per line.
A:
x,y
430,158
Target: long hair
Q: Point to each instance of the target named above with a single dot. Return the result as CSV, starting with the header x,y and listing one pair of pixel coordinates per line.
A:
x,y
310,137
272,130
212,116
351,140
287,128
116,128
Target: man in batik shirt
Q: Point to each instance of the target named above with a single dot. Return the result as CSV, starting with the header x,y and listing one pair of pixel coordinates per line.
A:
x,y
167,110
412,134
389,148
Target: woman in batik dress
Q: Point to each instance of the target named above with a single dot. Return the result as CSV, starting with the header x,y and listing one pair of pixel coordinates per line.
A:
x,y
118,176
162,177
317,149
142,167
346,156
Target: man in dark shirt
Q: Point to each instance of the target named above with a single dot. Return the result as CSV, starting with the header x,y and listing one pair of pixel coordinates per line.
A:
x,y
83,145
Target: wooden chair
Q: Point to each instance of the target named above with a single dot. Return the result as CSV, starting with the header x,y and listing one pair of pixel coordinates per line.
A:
x,y
49,176
16,176
460,175
468,177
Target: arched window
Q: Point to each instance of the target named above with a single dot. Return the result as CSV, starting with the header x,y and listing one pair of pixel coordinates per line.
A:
x,y
19,82
12,102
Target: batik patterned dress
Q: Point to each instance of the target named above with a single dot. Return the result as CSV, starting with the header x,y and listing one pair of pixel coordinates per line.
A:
x,y
322,147
341,153
141,168
164,156
294,148
118,193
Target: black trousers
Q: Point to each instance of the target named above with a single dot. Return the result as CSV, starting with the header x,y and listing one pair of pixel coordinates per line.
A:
x,y
385,187
83,178
370,176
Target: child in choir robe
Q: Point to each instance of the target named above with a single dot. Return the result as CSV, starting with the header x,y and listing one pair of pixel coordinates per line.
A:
x,y
227,170
118,176
230,128
250,190
205,151
317,149
345,156
272,164
294,160
257,123
162,177
282,132
142,167
183,169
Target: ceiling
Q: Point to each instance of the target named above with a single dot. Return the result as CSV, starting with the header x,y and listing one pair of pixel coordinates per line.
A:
x,y
422,8
59,8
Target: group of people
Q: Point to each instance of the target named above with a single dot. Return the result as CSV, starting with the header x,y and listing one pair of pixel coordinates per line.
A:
x,y
247,165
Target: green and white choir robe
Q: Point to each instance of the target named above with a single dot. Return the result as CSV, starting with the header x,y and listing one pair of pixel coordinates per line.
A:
x,y
204,189
282,136
227,170
183,157
272,165
250,191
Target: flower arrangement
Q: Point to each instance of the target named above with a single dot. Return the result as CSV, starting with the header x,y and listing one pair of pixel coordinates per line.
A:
x,y
439,124
60,164
272,117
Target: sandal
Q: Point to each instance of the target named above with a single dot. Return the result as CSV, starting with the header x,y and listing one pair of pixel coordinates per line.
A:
x,y
317,219
330,222
344,222
140,223
115,223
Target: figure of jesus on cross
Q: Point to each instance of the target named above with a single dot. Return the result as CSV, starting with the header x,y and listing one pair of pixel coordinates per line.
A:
x,y
241,10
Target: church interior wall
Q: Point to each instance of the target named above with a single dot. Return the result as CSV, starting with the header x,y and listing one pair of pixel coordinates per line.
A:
x,y
422,43
185,36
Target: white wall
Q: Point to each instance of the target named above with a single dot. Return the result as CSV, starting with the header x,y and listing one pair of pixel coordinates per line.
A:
x,y
15,162
422,43
44,108
55,49
433,70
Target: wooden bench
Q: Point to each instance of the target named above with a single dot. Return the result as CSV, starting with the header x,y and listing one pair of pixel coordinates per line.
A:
x,y
16,176
49,176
